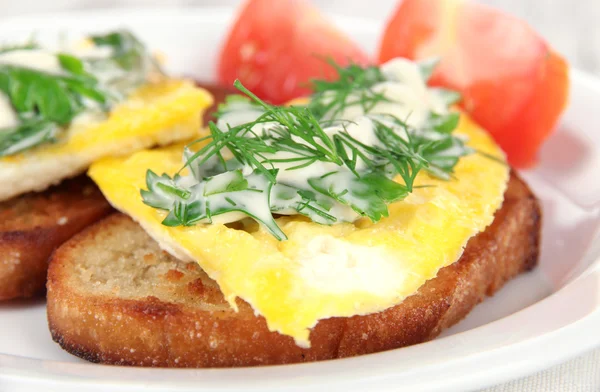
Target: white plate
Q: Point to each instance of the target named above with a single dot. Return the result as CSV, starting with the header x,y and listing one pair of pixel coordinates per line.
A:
x,y
537,320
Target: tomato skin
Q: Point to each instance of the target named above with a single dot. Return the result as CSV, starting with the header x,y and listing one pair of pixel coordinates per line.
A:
x,y
510,81
276,47
411,26
534,123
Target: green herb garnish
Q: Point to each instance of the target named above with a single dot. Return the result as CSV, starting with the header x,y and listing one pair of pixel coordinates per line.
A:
x,y
331,97
26,46
46,103
129,64
352,178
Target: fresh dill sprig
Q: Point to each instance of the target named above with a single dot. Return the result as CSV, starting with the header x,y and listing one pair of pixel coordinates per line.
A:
x,y
299,122
359,176
258,147
298,132
331,97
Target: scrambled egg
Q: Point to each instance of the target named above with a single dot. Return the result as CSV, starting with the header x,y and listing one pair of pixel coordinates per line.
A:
x,y
325,271
155,114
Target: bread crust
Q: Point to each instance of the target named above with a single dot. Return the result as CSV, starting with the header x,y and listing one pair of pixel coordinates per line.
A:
x,y
183,320
33,225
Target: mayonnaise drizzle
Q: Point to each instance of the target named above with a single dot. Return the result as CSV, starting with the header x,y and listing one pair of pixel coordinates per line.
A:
x,y
36,59
8,116
47,61
43,61
407,98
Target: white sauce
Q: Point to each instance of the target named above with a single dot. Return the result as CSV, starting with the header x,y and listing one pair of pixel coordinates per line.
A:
x,y
408,99
92,116
360,128
47,61
334,266
37,59
88,50
298,177
8,116
250,200
242,113
44,61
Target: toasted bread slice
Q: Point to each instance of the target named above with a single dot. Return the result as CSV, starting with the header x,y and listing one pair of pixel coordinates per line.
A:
x,y
114,297
33,225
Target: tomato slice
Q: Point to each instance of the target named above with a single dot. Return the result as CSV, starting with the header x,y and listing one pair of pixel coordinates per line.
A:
x,y
511,81
277,46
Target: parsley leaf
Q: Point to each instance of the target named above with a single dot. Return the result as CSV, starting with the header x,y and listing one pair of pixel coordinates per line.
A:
x,y
46,103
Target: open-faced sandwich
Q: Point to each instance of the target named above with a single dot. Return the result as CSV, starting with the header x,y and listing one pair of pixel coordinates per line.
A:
x,y
369,214
60,110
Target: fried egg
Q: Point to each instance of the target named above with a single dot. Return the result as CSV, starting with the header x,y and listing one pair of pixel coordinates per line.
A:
x,y
158,113
325,271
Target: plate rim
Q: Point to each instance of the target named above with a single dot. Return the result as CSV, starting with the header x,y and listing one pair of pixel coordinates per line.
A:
x,y
15,368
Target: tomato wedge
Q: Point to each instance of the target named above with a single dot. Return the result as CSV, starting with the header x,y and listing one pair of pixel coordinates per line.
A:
x,y
277,46
512,83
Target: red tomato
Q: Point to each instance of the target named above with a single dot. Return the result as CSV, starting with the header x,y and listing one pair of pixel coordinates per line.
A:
x,y
512,84
277,46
